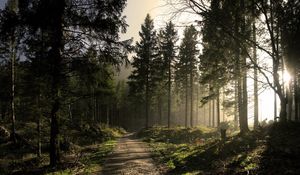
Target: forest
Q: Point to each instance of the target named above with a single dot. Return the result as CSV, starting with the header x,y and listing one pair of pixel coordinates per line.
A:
x,y
220,95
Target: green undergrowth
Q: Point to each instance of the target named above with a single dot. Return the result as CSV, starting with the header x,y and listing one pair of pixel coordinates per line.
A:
x,y
83,148
177,135
273,149
89,160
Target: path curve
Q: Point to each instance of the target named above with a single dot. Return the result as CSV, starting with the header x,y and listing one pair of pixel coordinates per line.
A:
x,y
130,157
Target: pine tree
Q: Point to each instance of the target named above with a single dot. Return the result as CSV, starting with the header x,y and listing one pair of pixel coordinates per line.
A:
x,y
68,29
168,39
144,77
187,67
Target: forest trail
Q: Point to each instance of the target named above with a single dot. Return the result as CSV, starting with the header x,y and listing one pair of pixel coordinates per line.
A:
x,y
130,157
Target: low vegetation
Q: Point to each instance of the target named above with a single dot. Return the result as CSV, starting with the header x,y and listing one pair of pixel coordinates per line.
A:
x,y
271,149
83,148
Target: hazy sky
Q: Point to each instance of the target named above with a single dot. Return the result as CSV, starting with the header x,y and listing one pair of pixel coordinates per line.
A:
x,y
136,11
2,3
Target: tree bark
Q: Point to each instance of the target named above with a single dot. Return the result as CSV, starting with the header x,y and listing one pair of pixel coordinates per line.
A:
x,y
197,105
159,106
55,29
54,132
186,101
218,110
147,94
209,113
13,60
39,144
296,96
244,117
223,100
169,93
289,101
107,115
256,119
192,98
213,113
13,7
236,104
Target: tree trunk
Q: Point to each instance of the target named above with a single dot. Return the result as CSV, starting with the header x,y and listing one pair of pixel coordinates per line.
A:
x,y
107,115
192,99
99,110
169,94
39,144
213,113
147,96
159,108
39,113
54,132
238,90
240,106
209,114
186,102
256,120
283,112
13,7
223,100
289,101
56,31
236,104
275,106
296,96
70,113
218,110
13,59
3,111
204,114
244,115
197,105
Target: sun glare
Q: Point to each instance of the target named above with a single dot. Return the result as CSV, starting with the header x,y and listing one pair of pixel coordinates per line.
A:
x,y
286,77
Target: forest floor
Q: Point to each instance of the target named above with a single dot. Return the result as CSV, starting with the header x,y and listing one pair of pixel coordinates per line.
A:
x,y
95,149
131,156
272,149
83,149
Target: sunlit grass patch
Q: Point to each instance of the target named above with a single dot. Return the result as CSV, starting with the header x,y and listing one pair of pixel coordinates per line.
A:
x,y
183,155
174,146
91,159
177,135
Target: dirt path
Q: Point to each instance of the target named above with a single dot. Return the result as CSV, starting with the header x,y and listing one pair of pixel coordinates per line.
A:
x,y
130,157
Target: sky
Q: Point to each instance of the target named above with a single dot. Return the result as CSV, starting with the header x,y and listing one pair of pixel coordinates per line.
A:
x,y
2,3
136,11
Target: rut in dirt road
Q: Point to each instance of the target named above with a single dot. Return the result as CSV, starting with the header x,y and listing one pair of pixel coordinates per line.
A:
x,y
130,157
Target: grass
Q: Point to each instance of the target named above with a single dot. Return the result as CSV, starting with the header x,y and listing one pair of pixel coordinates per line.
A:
x,y
83,149
90,160
172,146
177,135
271,150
